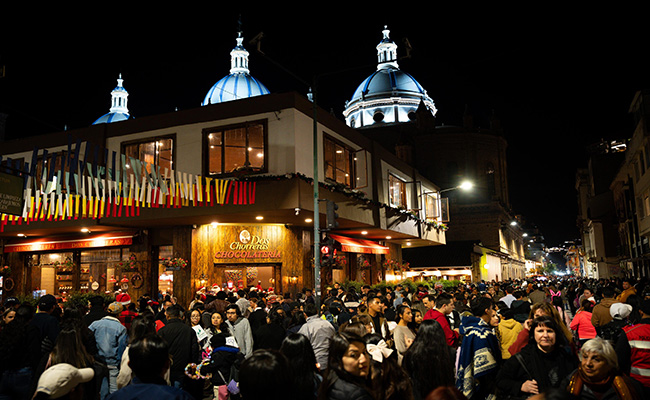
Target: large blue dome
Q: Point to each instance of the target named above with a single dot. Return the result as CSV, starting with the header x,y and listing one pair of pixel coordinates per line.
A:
x,y
389,95
234,87
388,82
239,84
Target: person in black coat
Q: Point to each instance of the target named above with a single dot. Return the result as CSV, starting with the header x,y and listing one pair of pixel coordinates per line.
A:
x,y
257,317
542,364
222,361
271,334
183,344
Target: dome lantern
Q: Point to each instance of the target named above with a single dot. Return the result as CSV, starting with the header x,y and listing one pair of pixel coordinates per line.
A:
x,y
239,84
119,110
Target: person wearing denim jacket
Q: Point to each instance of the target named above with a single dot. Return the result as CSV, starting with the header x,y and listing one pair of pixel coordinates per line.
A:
x,y
112,338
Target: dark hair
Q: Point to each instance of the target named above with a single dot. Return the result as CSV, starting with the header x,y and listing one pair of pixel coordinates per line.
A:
x,y
391,381
302,368
429,348
339,344
149,358
608,291
233,307
587,305
400,311
480,305
69,349
310,309
548,322
174,311
141,326
446,393
443,299
265,375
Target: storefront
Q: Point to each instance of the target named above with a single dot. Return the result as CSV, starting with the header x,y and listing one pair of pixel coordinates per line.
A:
x,y
62,265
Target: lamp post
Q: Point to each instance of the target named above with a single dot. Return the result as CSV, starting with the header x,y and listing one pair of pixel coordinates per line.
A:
x,y
465,185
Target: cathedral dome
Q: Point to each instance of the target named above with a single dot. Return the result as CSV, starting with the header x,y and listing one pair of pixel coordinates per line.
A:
x,y
389,95
239,84
119,110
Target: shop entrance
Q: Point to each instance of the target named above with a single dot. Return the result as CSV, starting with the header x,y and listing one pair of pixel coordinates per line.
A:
x,y
250,275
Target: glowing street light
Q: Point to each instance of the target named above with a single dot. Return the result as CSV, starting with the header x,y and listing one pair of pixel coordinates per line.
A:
x,y
465,185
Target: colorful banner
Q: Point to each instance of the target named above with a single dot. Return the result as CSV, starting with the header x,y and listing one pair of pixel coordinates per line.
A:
x,y
76,185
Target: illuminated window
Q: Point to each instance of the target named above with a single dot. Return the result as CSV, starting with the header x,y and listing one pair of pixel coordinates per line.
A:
x,y
339,165
155,152
396,191
236,149
431,207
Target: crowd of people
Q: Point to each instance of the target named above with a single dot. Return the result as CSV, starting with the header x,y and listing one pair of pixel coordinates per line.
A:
x,y
567,338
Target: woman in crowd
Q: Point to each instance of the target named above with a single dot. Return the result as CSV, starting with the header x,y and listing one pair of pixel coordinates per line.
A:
x,y
402,334
7,316
538,310
141,326
271,334
20,350
540,365
222,360
429,348
303,368
582,323
417,319
348,372
598,375
389,379
298,319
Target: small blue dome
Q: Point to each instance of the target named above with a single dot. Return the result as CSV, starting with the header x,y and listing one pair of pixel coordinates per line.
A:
x,y
234,87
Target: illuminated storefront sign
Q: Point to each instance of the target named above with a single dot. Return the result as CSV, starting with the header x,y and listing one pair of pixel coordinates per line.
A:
x,y
248,247
49,245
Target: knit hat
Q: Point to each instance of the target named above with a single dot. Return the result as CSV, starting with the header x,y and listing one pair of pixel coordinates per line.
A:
x,y
620,310
115,308
59,379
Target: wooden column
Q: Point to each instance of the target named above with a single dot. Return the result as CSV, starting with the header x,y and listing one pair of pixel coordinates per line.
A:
x,y
184,287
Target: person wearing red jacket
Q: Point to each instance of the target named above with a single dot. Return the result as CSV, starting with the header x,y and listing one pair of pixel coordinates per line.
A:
x,y
444,306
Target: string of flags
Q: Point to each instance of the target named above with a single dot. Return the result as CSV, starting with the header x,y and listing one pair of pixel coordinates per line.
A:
x,y
75,185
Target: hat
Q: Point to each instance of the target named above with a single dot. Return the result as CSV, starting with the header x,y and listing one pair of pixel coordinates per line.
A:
x,y
11,301
620,310
123,298
46,300
115,308
60,379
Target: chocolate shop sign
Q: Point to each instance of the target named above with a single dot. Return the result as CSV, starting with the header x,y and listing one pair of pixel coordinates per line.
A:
x,y
248,246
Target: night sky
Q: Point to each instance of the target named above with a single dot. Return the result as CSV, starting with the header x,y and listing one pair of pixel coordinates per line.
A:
x,y
558,79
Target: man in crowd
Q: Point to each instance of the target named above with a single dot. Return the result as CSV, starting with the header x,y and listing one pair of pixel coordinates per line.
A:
x,y
149,361
97,310
183,344
600,315
240,329
509,297
319,332
47,324
628,289
111,337
444,305
480,352
633,349
379,323
242,302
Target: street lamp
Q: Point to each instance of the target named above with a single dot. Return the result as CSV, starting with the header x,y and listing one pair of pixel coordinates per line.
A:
x,y
465,185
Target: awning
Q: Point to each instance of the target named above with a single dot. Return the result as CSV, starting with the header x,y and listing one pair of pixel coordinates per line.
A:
x,y
71,243
350,245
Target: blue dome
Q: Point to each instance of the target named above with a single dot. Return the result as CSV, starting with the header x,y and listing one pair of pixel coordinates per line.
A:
x,y
388,82
234,87
112,117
